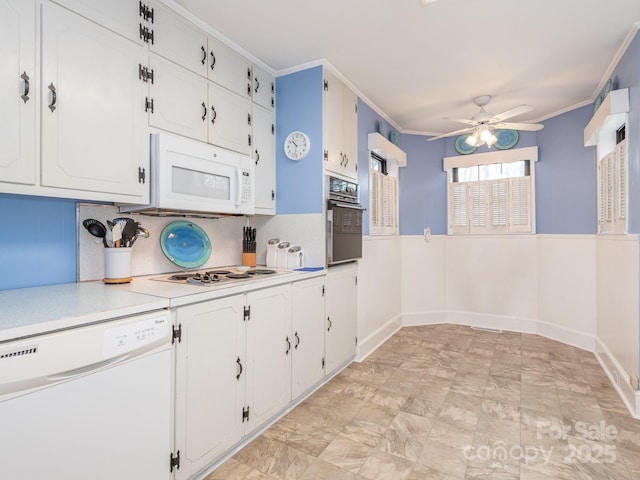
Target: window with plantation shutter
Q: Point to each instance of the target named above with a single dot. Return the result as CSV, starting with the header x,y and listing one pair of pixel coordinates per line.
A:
x,y
612,190
383,199
492,193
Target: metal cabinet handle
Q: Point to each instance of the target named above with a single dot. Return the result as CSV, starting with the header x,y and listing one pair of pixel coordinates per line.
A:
x,y
297,341
214,114
288,346
54,98
204,55
257,84
25,95
213,60
204,111
330,324
257,156
239,365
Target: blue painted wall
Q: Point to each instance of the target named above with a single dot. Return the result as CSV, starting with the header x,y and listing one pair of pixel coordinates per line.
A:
x,y
299,107
566,188
37,241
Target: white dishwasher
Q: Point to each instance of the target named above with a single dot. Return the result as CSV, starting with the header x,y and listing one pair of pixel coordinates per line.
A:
x,y
91,402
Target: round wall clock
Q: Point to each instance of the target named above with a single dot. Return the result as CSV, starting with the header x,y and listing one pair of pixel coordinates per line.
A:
x,y
297,145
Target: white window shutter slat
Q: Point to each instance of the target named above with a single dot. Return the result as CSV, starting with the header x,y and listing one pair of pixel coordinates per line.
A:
x,y
458,208
499,206
479,206
520,215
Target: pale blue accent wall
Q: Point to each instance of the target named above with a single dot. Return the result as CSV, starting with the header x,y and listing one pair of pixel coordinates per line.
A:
x,y
627,75
37,241
299,107
566,199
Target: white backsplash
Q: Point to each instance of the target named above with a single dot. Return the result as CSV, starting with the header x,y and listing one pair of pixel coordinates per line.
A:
x,y
306,230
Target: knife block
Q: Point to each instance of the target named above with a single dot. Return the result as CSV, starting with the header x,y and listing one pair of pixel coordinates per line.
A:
x,y
249,259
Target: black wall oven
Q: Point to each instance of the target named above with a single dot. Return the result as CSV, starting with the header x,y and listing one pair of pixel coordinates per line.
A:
x,y
344,222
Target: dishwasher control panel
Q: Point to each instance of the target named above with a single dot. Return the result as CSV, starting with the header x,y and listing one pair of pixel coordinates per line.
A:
x,y
128,337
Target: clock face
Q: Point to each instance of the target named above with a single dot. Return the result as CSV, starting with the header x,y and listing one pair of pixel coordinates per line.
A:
x,y
297,145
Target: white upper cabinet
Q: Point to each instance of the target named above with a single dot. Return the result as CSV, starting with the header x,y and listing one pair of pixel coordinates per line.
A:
x,y
179,98
229,69
263,152
178,40
340,127
92,110
229,120
128,18
18,90
264,88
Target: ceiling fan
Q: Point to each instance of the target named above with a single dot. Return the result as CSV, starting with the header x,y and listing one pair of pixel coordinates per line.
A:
x,y
483,123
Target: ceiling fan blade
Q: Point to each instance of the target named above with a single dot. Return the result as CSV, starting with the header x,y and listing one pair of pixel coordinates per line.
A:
x,y
450,134
512,112
468,121
528,127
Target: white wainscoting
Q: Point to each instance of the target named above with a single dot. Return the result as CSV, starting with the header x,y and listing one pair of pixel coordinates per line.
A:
x,y
582,290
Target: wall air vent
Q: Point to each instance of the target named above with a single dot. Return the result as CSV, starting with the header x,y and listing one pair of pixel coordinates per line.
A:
x,y
30,350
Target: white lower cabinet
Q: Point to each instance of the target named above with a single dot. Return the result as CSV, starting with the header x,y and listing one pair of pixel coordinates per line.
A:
x,y
308,335
210,366
342,321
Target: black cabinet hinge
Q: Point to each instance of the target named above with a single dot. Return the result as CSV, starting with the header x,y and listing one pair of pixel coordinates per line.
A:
x,y
326,155
273,90
247,313
145,12
273,194
245,414
148,104
326,85
146,34
142,175
356,279
145,74
249,139
356,341
323,291
273,129
174,461
249,118
323,363
177,334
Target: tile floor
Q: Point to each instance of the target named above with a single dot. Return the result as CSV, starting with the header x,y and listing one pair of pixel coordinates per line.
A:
x,y
451,402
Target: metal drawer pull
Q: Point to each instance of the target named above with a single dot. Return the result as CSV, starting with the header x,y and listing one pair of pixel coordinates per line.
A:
x,y
214,114
25,95
213,60
298,341
204,55
288,346
239,365
330,324
204,111
54,98
257,84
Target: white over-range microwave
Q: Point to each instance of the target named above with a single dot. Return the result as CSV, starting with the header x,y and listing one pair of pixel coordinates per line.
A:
x,y
191,177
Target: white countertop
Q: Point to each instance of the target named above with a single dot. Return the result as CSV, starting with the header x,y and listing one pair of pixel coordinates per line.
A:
x,y
33,311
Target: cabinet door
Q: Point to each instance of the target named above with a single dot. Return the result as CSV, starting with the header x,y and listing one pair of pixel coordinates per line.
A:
x,y
269,351
229,120
264,152
341,308
228,68
350,133
178,40
17,92
210,373
92,110
179,100
264,88
307,367
125,17
333,118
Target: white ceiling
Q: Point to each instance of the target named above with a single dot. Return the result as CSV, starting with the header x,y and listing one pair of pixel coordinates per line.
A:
x,y
419,64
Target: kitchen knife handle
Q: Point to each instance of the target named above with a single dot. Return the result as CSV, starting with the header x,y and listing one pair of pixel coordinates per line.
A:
x,y
239,365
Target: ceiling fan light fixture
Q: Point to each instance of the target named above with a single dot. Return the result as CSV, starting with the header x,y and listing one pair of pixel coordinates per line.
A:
x,y
472,139
485,134
491,140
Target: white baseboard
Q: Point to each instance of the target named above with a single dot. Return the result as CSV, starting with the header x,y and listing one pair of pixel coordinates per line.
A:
x,y
368,345
415,319
619,378
569,336
496,322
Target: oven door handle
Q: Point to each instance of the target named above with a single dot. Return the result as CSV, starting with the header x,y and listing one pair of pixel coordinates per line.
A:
x,y
352,206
